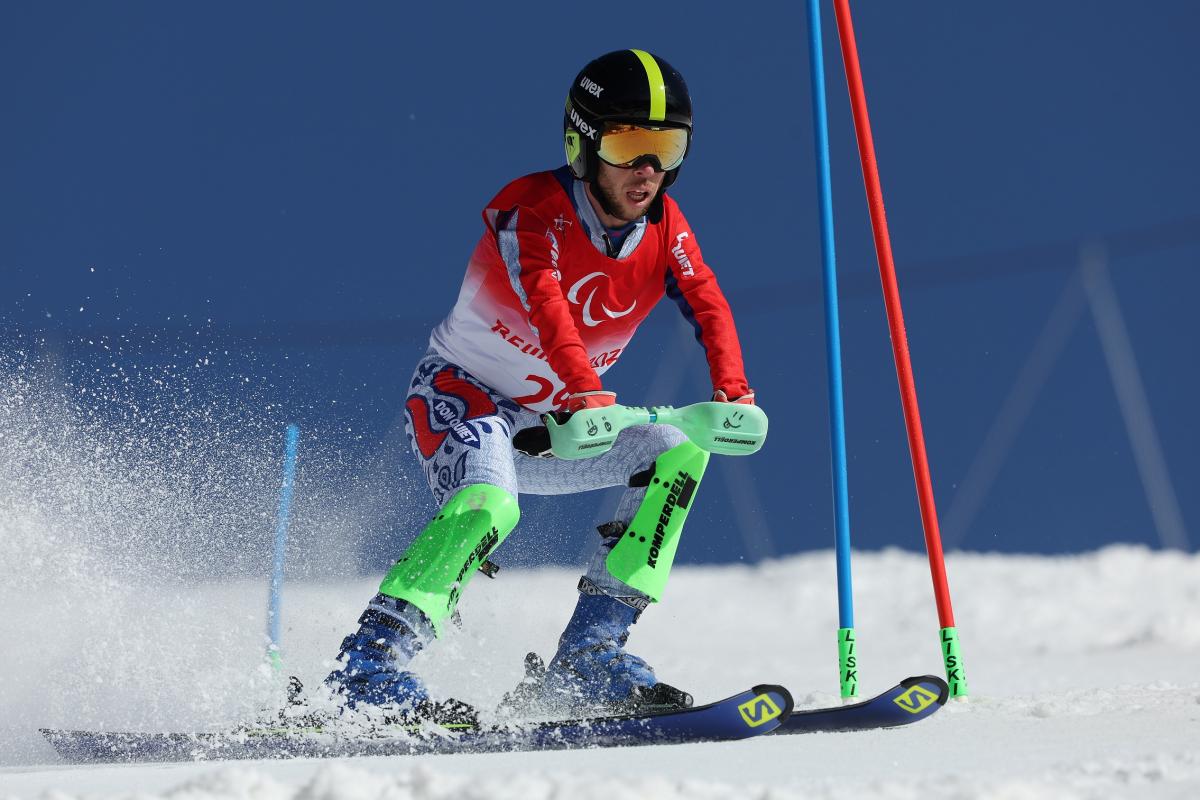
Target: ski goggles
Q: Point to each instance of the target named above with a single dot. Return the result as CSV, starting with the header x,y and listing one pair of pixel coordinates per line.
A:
x,y
622,145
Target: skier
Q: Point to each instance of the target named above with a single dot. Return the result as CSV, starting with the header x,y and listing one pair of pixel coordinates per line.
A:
x,y
571,262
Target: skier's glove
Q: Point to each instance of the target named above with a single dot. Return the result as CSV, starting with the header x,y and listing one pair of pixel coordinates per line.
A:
x,y
598,399
747,399
535,441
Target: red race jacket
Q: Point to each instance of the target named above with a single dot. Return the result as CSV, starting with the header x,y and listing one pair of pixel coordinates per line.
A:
x,y
544,311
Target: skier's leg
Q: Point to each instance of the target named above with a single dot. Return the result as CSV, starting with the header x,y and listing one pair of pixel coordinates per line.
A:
x,y
662,471
460,431
626,573
436,568
418,595
651,521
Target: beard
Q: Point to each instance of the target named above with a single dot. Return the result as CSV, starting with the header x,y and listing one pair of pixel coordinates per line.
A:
x,y
608,200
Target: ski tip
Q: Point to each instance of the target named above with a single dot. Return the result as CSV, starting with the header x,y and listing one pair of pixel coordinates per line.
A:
x,y
929,682
770,703
910,700
787,704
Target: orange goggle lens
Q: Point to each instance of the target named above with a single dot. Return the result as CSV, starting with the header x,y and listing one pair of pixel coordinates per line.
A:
x,y
621,145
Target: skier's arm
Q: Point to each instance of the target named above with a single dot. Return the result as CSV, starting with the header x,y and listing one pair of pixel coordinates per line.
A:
x,y
530,252
693,286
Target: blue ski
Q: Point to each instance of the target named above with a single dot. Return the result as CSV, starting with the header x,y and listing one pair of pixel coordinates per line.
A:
x,y
751,713
909,701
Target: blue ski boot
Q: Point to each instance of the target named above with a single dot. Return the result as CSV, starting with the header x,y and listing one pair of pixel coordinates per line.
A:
x,y
390,633
591,673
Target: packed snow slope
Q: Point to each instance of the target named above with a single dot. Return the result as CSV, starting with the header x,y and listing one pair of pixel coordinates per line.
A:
x,y
1084,675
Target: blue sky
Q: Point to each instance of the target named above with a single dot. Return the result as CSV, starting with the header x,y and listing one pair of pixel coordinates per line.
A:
x,y
301,184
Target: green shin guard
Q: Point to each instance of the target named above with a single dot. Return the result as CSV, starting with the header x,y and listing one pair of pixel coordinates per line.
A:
x,y
643,557
438,565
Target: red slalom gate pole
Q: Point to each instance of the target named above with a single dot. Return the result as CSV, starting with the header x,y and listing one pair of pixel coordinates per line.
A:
x,y
908,390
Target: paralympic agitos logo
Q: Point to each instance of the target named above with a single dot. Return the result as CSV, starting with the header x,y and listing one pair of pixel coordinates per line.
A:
x,y
588,319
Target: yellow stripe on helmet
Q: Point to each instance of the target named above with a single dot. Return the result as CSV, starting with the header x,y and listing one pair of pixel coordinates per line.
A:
x,y
658,90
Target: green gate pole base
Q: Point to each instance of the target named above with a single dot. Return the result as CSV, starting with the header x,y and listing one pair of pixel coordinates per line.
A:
x,y
848,663
956,676
275,659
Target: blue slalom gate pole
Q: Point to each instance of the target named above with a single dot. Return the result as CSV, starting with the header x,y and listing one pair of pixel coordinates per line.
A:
x,y
282,519
847,646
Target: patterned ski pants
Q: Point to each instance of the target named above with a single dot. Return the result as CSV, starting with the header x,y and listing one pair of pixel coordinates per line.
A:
x,y
461,432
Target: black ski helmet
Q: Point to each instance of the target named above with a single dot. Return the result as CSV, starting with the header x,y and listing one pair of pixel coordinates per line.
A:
x,y
631,86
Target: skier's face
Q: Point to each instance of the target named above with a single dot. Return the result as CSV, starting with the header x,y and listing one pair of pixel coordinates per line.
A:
x,y
624,193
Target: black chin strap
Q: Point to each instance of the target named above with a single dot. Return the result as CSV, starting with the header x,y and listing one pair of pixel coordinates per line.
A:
x,y
655,213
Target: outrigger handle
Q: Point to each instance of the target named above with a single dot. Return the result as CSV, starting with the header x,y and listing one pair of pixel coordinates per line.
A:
x,y
730,429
